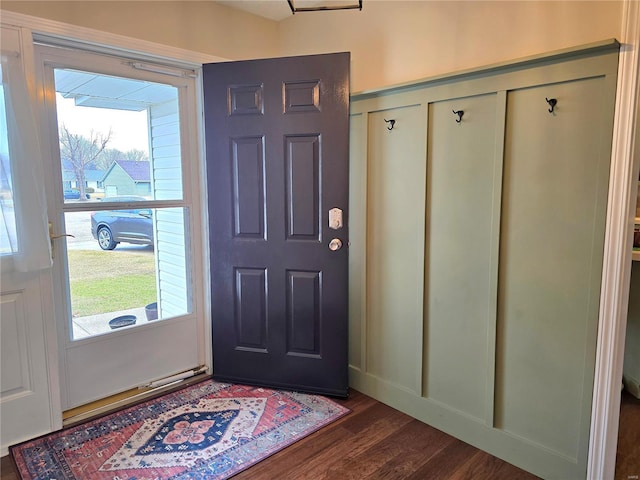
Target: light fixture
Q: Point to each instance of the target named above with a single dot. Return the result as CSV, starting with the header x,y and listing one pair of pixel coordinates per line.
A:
x,y
317,6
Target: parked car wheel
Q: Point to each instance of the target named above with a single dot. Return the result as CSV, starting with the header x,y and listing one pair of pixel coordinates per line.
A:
x,y
105,239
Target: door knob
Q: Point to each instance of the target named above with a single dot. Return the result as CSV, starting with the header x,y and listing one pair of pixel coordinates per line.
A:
x,y
335,244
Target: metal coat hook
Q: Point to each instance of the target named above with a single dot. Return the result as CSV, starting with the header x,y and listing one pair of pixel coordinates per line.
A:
x,y
552,103
392,122
460,113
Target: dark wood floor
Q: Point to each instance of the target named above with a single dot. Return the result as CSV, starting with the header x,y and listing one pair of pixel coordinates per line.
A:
x,y
378,442
628,457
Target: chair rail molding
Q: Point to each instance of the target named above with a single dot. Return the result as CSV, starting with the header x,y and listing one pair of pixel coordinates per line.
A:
x,y
616,273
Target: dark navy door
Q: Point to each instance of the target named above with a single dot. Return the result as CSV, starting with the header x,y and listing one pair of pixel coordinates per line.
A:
x,y
277,136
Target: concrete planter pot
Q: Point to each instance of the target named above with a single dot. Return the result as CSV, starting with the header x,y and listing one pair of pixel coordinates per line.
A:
x,y
151,311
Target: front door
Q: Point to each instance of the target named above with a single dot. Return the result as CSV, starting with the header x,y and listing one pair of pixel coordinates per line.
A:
x,y
277,172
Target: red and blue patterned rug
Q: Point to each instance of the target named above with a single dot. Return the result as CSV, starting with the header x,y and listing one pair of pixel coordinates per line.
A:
x,y
209,430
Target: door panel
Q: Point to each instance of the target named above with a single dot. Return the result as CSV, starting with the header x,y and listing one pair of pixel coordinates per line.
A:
x,y
277,162
248,184
24,388
302,167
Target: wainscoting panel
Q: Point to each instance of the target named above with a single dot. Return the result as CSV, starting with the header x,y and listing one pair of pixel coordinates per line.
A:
x,y
476,252
395,245
461,236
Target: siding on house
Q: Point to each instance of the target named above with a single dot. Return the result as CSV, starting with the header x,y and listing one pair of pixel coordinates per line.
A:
x,y
127,177
170,223
118,182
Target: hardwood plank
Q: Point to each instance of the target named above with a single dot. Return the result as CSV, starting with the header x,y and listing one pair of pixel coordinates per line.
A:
x,y
339,460
628,456
482,466
8,469
445,462
391,456
316,453
409,449
377,442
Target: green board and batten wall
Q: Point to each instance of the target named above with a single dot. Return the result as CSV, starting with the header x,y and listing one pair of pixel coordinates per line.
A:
x,y
476,251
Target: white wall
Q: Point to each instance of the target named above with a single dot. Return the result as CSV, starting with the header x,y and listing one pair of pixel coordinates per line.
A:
x,y
396,41
193,25
391,41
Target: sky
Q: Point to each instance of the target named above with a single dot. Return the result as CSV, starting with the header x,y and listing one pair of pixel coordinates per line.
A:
x,y
129,129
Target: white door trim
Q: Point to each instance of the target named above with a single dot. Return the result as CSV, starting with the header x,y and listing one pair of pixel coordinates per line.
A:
x,y
614,296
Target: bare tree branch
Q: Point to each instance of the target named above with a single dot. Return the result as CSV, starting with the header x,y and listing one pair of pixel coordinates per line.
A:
x,y
82,152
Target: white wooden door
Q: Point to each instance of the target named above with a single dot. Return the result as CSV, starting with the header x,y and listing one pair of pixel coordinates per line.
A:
x,y
120,257
26,409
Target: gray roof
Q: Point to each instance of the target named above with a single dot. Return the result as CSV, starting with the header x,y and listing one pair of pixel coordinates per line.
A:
x,y
138,171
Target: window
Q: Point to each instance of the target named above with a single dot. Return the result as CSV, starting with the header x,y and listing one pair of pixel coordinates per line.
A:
x,y
120,150
24,241
8,240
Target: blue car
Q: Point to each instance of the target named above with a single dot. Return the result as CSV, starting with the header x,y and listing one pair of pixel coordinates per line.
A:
x,y
110,227
73,194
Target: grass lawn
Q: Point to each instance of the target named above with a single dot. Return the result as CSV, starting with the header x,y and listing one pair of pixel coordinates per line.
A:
x,y
109,281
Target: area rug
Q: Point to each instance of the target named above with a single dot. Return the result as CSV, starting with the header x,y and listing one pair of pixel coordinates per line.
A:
x,y
209,430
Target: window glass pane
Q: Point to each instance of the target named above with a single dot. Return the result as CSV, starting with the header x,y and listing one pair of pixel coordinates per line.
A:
x,y
8,240
126,268
118,136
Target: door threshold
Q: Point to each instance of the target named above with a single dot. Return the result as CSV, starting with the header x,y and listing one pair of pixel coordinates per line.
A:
x,y
124,399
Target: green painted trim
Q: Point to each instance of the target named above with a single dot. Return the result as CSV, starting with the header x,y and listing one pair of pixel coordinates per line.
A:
x,y
590,49
492,330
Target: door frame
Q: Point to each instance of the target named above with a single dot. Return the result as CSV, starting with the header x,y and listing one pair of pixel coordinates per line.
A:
x,y
617,260
616,270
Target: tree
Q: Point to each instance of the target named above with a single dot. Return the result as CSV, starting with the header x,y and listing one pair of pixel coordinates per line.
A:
x,y
136,155
110,155
82,152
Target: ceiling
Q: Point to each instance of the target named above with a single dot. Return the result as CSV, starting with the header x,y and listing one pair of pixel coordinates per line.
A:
x,y
279,9
104,91
272,9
